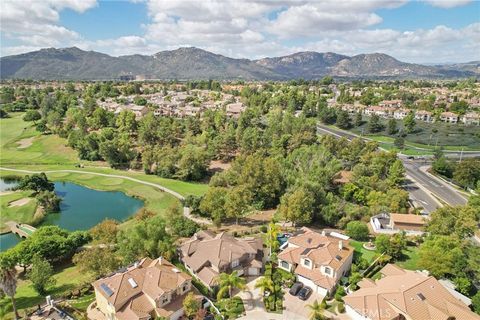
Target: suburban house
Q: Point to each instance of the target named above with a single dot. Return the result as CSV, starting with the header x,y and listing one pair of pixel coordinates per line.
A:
x,y
400,114
424,115
383,112
412,224
206,255
449,117
319,260
235,109
471,118
391,103
146,290
405,294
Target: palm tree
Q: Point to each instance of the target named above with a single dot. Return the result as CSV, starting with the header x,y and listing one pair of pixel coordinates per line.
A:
x,y
8,283
227,282
265,284
271,236
316,311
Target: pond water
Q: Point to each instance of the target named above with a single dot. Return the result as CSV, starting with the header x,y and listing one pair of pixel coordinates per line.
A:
x,y
82,208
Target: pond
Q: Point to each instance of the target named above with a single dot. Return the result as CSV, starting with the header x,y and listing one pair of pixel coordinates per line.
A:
x,y
82,208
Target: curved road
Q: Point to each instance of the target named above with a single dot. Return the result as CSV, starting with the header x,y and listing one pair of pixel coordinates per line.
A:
x,y
186,210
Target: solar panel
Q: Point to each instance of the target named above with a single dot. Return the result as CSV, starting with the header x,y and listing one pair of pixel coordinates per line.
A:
x,y
106,289
305,251
421,296
132,283
338,257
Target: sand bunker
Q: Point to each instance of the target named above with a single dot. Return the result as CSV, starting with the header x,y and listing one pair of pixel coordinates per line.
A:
x,y
25,143
20,202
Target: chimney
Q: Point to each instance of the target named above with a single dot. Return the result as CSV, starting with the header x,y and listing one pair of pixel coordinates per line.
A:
x,y
323,232
340,245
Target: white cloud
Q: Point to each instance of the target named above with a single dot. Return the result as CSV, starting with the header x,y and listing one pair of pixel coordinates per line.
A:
x,y
35,23
447,4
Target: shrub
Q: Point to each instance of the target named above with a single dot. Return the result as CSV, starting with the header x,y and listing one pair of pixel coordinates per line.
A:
x,y
341,308
264,229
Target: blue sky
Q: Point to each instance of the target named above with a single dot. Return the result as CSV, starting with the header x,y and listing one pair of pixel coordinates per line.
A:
x,y
432,31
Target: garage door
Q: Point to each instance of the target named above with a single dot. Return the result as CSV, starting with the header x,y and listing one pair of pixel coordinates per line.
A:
x,y
253,271
312,285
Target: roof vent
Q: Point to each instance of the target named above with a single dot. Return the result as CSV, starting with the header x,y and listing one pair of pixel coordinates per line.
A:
x,y
132,283
338,258
175,270
309,240
421,296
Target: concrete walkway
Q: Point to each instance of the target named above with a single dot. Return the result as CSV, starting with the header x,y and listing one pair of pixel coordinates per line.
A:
x,y
186,210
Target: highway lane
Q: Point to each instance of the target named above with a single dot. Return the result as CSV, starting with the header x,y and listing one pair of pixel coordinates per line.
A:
x,y
420,185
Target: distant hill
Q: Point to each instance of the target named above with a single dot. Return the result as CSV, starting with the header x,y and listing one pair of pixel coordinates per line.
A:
x,y
193,63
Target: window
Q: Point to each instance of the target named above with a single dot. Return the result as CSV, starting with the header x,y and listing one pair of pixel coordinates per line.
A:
x,y
285,264
235,263
328,270
164,300
306,262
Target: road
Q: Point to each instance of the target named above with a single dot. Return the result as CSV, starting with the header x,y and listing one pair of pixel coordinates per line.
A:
x,y
422,186
186,210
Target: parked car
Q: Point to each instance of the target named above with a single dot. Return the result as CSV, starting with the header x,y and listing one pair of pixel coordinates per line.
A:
x,y
297,286
304,293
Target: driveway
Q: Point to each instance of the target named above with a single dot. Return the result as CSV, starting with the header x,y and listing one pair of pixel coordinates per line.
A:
x,y
295,309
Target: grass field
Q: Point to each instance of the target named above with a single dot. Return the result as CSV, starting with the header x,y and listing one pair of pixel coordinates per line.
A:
x,y
23,213
67,278
410,260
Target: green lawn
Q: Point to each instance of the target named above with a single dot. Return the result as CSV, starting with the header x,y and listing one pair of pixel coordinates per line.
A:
x,y
360,251
410,260
44,149
23,214
68,278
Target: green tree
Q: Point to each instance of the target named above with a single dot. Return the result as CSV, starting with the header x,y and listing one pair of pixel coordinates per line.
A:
x,y
392,127
399,142
191,305
36,182
476,302
49,201
409,122
391,245
442,166
237,202
271,240
41,274
357,230
126,121
441,255
192,164
396,174
358,119
316,311
297,206
226,283
105,232
148,238
374,124
32,115
343,120
213,203
8,281
461,221
265,284
97,261
467,173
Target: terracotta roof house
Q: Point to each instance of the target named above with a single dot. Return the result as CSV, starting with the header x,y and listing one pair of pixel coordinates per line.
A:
x,y
146,290
411,224
207,254
235,109
404,294
319,260
449,117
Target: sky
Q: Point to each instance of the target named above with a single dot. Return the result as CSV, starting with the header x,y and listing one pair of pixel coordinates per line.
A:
x,y
423,31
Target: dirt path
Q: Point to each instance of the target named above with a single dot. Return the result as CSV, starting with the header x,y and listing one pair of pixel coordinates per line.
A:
x,y
186,210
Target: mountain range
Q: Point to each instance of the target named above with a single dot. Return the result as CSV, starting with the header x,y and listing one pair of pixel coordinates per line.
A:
x,y
193,63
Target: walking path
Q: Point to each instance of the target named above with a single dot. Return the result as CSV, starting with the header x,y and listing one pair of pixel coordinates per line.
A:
x,y
186,210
